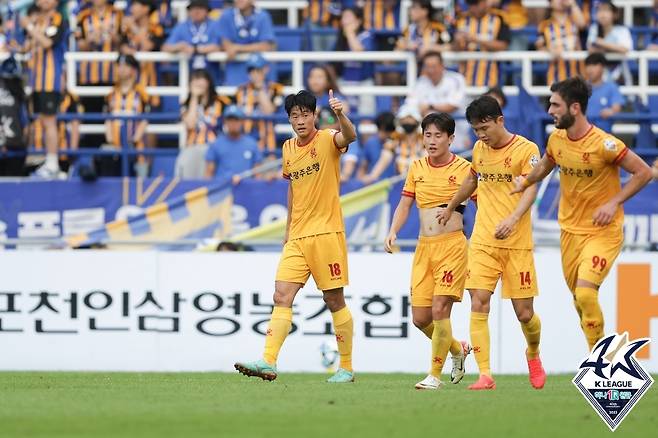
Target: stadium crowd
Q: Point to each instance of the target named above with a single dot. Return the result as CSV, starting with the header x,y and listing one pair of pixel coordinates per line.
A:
x,y
227,135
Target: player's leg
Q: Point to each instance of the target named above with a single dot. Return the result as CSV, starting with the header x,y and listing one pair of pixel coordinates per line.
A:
x,y
422,287
344,330
291,276
327,259
597,256
520,285
484,270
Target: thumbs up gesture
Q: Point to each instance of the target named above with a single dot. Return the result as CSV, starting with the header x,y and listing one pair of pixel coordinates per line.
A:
x,y
335,104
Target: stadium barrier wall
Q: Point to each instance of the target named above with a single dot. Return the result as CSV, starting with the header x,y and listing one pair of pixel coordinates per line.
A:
x,y
158,311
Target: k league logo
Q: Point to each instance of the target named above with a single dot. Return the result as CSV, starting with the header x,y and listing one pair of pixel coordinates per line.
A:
x,y
611,379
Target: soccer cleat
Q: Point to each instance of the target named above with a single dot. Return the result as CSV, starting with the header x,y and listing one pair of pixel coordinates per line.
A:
x,y
259,368
429,382
537,375
342,376
484,382
459,363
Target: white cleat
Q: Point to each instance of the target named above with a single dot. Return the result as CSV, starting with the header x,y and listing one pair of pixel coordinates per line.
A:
x,y
459,363
429,382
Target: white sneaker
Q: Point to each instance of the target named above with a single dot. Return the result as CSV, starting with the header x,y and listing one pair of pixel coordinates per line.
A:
x,y
459,363
46,172
429,382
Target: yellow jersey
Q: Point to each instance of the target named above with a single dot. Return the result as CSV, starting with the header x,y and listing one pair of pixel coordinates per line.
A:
x,y
589,177
496,170
314,173
432,186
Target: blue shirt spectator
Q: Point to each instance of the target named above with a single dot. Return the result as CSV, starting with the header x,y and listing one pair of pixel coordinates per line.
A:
x,y
373,147
233,152
606,99
244,29
195,37
353,37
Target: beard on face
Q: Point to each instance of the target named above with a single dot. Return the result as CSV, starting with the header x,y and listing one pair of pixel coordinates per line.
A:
x,y
565,122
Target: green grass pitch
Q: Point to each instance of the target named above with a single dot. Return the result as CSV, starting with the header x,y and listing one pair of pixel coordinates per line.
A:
x,y
297,405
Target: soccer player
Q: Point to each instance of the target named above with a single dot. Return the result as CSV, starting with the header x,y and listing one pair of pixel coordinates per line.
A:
x,y
590,214
439,268
501,243
314,242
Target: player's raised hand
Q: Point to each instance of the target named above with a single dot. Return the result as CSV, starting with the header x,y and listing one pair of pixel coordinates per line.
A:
x,y
520,184
390,242
335,104
604,214
443,216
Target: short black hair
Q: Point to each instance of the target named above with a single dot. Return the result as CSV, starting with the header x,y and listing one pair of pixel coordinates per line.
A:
x,y
596,58
431,53
483,109
443,121
573,90
304,100
497,91
385,121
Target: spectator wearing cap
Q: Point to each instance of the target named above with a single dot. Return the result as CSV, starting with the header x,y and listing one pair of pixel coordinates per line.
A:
x,y
444,91
129,98
244,29
260,97
140,33
373,147
606,99
405,147
196,37
233,152
353,37
608,35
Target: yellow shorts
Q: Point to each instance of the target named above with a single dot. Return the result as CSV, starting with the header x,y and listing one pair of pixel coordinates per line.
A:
x,y
439,268
324,256
589,257
487,264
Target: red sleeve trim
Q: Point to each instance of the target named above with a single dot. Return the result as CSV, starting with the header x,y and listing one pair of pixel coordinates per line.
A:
x,y
550,157
621,155
474,197
524,175
334,139
286,176
408,194
474,172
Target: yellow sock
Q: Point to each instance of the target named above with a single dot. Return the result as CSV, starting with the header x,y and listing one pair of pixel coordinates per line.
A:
x,y
428,330
591,320
277,331
532,333
480,340
441,340
344,328
455,345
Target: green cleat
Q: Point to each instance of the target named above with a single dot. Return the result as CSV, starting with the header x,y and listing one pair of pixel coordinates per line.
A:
x,y
259,368
342,376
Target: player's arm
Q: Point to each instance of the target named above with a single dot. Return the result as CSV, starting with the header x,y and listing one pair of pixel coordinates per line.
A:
x,y
468,187
347,132
399,219
506,226
640,177
285,237
538,173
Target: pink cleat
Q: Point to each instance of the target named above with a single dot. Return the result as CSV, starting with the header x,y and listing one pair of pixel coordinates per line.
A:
x,y
537,374
484,382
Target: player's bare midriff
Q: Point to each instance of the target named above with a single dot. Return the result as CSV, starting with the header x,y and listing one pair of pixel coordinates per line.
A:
x,y
429,226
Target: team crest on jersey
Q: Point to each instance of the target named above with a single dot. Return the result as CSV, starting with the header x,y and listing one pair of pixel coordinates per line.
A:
x,y
314,153
559,153
452,180
287,163
534,160
586,157
611,379
610,144
420,178
508,162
